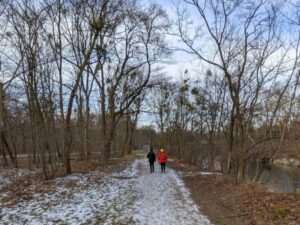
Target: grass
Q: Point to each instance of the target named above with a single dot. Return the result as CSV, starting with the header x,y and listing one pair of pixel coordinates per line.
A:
x,y
281,211
140,153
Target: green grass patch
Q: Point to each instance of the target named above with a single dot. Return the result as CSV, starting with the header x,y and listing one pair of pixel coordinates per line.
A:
x,y
281,212
140,153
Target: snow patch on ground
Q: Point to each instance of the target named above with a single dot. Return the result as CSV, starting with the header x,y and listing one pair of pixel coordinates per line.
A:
x,y
8,176
95,199
163,199
131,196
190,174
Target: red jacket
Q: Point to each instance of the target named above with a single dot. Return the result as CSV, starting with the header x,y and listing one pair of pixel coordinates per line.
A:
x,y
162,157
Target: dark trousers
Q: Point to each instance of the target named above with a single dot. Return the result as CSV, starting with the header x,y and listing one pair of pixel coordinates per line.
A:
x,y
151,167
163,167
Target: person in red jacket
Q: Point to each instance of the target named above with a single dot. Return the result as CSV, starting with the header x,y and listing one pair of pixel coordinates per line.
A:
x,y
162,157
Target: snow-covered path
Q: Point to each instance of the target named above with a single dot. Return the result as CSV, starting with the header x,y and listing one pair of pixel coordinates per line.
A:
x,y
164,200
132,196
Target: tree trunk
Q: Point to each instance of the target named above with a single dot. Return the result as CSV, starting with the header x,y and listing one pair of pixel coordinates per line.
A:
x,y
2,129
86,133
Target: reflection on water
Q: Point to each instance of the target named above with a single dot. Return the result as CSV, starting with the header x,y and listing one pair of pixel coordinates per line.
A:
x,y
283,179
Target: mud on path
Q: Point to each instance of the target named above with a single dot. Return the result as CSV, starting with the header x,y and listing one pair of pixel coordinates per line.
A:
x,y
131,196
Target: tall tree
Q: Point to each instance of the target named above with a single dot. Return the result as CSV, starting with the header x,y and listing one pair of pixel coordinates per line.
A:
x,y
242,50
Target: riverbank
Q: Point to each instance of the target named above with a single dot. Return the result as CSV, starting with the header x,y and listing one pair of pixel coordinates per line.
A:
x,y
226,203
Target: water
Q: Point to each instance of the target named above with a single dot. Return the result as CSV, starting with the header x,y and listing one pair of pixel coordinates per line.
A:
x,y
284,179
281,178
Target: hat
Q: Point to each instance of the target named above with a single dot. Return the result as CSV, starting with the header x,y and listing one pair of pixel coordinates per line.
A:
x,y
161,150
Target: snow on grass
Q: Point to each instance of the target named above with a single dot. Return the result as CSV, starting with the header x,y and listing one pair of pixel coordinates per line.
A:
x,y
5,180
93,198
8,176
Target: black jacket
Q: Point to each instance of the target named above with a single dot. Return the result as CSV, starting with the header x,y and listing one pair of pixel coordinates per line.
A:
x,y
151,157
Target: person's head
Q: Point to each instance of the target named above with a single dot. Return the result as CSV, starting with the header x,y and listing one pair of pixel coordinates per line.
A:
x,y
151,149
161,150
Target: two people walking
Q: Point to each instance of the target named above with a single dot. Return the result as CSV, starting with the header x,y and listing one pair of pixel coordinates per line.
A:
x,y
162,157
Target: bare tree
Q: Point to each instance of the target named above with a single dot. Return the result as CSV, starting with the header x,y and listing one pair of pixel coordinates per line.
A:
x,y
241,50
124,61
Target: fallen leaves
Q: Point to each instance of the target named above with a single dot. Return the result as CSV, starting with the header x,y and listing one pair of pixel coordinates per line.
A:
x,y
227,203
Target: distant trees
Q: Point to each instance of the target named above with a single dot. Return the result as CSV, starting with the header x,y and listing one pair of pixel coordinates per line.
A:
x,y
160,102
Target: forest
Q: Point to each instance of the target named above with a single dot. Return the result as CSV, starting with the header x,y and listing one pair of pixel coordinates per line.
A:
x,y
78,76
89,87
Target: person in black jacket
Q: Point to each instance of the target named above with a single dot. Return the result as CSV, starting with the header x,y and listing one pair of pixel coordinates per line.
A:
x,y
151,157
